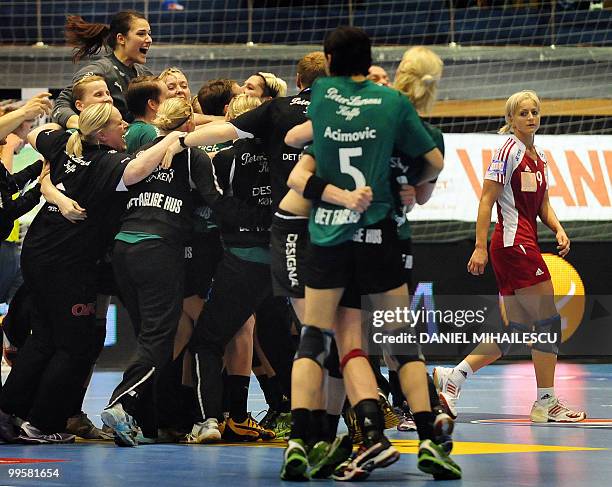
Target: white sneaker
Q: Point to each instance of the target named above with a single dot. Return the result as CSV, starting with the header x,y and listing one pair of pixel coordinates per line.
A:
x,y
206,432
448,391
123,425
554,411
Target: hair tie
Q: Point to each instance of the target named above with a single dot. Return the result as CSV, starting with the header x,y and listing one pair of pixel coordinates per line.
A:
x,y
428,79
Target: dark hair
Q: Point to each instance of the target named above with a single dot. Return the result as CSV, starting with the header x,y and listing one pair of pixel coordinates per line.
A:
x,y
214,95
89,38
311,67
267,90
273,86
350,49
140,90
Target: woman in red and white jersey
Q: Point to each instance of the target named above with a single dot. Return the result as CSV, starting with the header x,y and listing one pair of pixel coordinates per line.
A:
x,y
517,181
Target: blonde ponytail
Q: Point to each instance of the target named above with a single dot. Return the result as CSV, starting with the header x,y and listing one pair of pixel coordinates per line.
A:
x,y
506,129
91,120
172,113
418,75
74,147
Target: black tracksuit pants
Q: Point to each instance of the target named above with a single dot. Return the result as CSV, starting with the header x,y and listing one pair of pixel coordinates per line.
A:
x,y
273,327
48,375
238,289
150,276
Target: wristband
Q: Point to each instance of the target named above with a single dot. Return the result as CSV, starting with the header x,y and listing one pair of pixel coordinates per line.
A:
x,y
182,143
314,188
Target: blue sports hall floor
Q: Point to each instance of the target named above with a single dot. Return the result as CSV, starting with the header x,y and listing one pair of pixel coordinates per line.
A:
x,y
494,443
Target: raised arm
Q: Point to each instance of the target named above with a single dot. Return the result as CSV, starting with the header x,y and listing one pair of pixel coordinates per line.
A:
x,y
146,161
299,135
34,108
34,133
209,134
63,112
201,119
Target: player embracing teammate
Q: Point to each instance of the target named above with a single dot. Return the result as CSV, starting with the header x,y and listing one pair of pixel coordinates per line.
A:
x,y
354,251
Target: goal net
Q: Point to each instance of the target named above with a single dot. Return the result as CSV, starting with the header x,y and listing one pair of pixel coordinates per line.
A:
x,y
491,49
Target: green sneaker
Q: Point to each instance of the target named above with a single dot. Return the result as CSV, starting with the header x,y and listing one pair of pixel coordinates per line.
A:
x,y
282,427
295,461
336,453
435,461
317,452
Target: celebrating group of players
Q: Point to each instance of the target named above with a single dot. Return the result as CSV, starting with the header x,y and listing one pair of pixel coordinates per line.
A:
x,y
206,242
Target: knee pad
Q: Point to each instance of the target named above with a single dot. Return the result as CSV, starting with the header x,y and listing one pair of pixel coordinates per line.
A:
x,y
356,352
507,332
315,344
552,328
397,356
332,364
415,355
391,362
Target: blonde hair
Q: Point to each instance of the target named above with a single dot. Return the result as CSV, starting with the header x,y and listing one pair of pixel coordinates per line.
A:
x,y
195,103
78,88
242,103
173,113
275,86
512,105
170,72
91,120
417,77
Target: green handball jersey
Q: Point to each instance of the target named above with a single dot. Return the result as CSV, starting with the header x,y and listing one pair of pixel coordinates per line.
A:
x,y
138,134
356,125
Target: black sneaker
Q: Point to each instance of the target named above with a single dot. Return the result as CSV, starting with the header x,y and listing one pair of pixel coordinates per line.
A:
x,y
8,432
269,420
379,455
31,435
352,424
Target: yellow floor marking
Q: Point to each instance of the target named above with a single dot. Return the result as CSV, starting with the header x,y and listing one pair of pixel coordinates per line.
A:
x,y
478,448
460,447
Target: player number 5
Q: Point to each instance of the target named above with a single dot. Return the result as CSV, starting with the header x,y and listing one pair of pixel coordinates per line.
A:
x,y
345,155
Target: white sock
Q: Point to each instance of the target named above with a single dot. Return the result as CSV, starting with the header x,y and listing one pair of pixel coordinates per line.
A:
x,y
545,393
461,372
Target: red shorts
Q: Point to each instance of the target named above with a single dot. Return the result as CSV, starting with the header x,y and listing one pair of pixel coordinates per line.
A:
x,y
518,267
